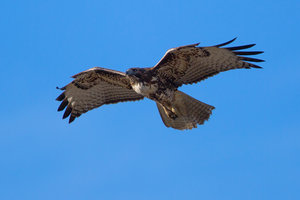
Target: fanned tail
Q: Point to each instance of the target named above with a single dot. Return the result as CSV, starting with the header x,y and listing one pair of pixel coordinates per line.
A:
x,y
189,112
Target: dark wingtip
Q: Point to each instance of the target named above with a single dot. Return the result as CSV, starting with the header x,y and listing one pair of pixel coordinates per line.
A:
x,y
194,45
71,119
256,66
250,65
61,97
189,45
63,105
225,43
67,112
247,52
62,88
251,59
241,47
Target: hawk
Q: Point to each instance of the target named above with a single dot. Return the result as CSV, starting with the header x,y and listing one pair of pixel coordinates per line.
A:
x,y
181,65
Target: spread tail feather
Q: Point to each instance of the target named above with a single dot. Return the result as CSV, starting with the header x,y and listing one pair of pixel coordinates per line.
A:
x,y
189,112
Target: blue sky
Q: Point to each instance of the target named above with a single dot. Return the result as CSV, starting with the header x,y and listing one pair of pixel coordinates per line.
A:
x,y
249,149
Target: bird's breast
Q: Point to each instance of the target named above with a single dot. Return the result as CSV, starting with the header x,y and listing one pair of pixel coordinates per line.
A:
x,y
145,89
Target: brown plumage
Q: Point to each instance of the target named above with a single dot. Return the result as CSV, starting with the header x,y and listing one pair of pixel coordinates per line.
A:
x,y
182,65
93,88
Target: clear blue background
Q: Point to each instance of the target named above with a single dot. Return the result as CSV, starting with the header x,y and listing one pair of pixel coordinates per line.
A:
x,y
249,149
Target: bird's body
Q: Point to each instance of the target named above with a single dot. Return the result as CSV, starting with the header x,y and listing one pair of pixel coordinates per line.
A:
x,y
152,87
145,88
181,65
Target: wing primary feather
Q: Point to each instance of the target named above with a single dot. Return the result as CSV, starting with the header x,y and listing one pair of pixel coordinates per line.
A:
x,y
62,88
225,43
72,118
190,45
247,52
255,66
67,112
63,105
61,97
241,47
251,59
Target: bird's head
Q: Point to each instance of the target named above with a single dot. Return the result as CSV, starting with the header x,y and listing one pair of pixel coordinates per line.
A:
x,y
135,72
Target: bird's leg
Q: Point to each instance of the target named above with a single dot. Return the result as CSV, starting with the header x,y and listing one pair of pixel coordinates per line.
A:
x,y
165,98
170,114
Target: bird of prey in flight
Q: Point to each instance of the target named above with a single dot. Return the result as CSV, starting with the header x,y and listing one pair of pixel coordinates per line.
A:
x,y
181,65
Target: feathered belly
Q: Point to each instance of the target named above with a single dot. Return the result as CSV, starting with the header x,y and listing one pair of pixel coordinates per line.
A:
x,y
146,90
152,91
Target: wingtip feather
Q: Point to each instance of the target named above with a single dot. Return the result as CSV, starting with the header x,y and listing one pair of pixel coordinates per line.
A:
x,y
251,59
225,43
63,105
241,47
255,66
71,119
247,52
67,112
62,88
61,97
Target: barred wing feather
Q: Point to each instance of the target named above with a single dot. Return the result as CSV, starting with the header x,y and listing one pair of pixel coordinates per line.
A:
x,y
93,88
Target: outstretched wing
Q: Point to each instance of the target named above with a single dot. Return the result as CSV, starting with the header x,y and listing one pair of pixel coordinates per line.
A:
x,y
93,88
191,64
